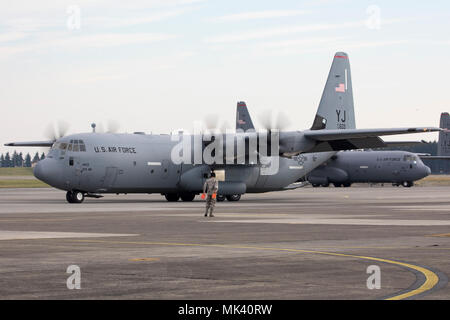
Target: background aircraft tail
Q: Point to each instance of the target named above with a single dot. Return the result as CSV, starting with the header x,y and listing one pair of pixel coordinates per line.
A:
x,y
336,110
243,119
444,136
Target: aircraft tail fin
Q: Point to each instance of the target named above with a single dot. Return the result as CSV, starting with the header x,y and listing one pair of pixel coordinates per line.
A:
x,y
444,136
243,119
336,109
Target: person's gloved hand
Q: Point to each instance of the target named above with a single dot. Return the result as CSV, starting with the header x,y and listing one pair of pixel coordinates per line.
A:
x,y
203,196
214,195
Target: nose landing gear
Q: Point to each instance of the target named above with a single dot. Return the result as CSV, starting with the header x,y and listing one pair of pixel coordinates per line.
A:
x,y
74,196
407,184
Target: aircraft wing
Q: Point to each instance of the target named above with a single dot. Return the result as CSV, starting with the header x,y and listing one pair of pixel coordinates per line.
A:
x,y
337,134
428,157
347,139
404,143
48,143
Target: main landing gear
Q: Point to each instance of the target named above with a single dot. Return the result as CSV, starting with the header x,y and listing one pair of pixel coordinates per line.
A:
x,y
187,197
233,197
174,197
74,196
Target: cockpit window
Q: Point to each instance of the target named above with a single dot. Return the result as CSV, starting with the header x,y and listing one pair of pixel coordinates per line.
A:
x,y
410,158
63,146
76,146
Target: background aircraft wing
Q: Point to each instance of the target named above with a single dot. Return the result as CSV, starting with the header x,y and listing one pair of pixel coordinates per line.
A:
x,y
348,139
48,143
337,134
428,157
404,143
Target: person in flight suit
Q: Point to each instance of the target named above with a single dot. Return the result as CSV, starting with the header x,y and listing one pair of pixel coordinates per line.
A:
x,y
210,186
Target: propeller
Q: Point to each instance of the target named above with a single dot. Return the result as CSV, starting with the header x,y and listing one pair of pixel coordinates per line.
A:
x,y
56,130
214,125
111,126
274,120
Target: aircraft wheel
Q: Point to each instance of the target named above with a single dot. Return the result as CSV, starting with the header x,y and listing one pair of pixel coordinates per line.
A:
x,y
187,196
220,198
325,185
75,197
69,197
172,197
234,197
337,185
346,185
407,184
315,185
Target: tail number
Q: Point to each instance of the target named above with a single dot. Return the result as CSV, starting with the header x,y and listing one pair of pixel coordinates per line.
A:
x,y
341,118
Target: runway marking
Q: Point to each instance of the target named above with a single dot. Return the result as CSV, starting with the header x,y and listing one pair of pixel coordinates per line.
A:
x,y
342,221
145,259
34,220
431,278
33,235
441,235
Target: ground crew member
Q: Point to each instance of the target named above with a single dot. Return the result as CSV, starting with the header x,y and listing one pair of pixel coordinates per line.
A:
x,y
210,186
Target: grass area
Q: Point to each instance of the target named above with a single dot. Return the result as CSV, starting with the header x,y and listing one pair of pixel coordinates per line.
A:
x,y
22,183
434,180
16,171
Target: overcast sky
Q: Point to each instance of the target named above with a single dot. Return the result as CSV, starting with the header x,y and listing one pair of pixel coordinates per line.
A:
x,y
159,65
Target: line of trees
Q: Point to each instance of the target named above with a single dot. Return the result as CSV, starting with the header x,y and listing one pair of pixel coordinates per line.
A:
x,y
19,160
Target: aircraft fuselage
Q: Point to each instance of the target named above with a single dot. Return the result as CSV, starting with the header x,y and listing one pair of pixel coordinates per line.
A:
x,y
138,163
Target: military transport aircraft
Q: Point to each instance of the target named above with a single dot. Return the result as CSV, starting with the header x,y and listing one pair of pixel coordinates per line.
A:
x,y
347,167
396,167
91,164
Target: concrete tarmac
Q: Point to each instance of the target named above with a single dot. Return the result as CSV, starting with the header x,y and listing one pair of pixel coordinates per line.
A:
x,y
309,243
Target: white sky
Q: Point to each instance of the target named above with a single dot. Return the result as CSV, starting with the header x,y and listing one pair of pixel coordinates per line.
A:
x,y
160,65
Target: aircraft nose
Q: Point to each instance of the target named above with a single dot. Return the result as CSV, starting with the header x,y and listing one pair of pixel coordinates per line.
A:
x,y
46,171
39,170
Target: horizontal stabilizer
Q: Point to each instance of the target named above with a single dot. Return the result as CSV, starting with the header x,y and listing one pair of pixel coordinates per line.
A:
x,y
31,144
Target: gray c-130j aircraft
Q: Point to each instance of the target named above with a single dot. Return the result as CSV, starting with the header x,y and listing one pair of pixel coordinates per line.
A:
x,y
374,166
91,164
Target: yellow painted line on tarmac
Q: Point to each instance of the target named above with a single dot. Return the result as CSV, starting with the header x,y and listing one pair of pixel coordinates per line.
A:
x,y
441,235
145,259
431,279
